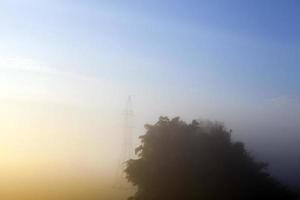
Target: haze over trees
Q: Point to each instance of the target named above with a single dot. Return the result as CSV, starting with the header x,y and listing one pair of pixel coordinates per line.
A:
x,y
178,161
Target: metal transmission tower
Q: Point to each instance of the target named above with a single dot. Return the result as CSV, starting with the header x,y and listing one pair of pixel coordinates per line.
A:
x,y
128,130
127,146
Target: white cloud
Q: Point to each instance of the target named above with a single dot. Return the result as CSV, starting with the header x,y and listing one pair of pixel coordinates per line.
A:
x,y
24,64
30,79
285,100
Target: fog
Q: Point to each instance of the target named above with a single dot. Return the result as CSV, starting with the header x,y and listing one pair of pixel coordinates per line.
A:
x,y
67,69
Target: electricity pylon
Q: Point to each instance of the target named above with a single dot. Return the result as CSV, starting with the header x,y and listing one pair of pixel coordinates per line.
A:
x,y
127,146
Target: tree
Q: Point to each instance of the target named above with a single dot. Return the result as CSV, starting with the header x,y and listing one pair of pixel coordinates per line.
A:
x,y
180,161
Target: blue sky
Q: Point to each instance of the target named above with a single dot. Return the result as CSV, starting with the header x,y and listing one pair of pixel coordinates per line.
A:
x,y
237,45
236,61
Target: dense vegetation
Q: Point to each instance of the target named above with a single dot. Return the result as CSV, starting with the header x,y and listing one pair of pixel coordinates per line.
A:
x,y
180,161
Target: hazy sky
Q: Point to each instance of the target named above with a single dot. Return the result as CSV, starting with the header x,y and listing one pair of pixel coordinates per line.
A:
x,y
67,67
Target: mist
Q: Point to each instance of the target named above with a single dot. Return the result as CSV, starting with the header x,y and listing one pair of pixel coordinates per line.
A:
x,y
68,68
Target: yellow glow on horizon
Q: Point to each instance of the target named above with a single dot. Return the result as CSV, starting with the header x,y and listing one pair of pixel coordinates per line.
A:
x,y
59,139
47,137
56,152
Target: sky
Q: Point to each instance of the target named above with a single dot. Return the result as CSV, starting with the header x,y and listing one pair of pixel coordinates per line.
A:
x,y
67,68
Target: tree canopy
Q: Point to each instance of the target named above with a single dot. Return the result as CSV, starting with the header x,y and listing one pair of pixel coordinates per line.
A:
x,y
180,161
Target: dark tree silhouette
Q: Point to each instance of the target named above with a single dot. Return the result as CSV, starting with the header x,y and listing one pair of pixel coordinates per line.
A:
x,y
180,161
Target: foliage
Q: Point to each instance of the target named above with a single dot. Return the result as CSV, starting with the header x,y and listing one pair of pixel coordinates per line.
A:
x,y
199,160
